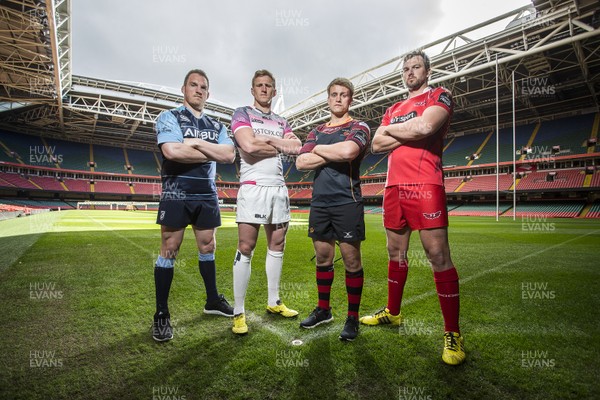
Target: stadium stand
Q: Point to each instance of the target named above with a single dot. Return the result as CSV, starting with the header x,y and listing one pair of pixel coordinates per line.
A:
x,y
290,173
569,133
111,187
452,183
487,183
228,172
143,162
17,148
74,155
555,179
109,159
17,180
594,211
479,210
77,185
47,183
372,189
488,152
549,209
461,147
374,164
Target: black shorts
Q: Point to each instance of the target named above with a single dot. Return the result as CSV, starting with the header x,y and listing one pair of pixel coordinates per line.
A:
x,y
344,223
204,214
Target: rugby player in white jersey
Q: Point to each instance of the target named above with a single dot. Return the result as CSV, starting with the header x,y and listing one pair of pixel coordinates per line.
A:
x,y
261,136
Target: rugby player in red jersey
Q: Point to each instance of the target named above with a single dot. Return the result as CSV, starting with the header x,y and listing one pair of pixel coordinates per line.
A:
x,y
413,131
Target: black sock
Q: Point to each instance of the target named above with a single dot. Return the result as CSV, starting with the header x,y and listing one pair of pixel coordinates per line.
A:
x,y
209,275
162,282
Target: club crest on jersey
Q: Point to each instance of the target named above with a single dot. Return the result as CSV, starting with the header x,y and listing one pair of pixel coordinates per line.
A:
x,y
445,99
216,125
432,215
403,118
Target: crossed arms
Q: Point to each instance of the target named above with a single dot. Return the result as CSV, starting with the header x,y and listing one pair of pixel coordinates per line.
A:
x,y
388,138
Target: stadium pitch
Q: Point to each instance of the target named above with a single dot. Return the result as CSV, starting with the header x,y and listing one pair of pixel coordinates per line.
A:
x,y
78,297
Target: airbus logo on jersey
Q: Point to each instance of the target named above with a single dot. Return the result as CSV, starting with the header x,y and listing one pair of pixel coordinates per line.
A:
x,y
432,215
210,136
403,118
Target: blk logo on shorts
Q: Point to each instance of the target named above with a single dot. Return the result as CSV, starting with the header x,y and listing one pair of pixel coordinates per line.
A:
x,y
260,216
432,215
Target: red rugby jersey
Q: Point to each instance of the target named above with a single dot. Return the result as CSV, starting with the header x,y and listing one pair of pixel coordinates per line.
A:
x,y
420,161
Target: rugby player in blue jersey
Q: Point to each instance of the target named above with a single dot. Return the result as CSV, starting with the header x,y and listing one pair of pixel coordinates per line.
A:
x,y
191,143
334,150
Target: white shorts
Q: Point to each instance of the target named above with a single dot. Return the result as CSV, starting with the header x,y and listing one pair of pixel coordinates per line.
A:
x,y
263,204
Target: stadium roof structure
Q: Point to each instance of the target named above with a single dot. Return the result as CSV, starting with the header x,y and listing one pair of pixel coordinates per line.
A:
x,y
552,47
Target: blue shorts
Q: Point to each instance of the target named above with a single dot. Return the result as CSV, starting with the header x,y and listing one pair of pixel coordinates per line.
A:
x,y
204,214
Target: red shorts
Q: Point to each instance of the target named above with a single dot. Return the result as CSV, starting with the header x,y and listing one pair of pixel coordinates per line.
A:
x,y
418,206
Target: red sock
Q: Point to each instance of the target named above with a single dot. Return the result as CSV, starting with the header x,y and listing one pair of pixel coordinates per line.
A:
x,y
324,282
446,283
354,286
397,273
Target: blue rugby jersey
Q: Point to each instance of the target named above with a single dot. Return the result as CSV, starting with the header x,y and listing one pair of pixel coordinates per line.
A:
x,y
182,181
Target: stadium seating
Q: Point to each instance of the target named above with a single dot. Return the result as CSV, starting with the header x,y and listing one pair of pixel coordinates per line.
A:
x,y
228,172
451,184
372,189
16,180
20,147
571,178
487,183
111,187
374,164
549,209
74,155
594,211
570,133
143,162
109,159
461,147
47,183
505,147
77,185
479,210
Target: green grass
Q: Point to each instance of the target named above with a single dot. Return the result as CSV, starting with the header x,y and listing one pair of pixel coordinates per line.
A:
x,y
94,340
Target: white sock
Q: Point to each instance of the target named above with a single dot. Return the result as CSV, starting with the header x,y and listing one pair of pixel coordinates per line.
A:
x,y
241,277
273,266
